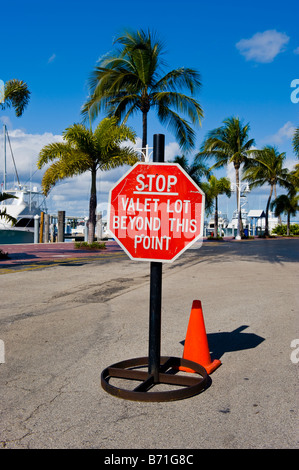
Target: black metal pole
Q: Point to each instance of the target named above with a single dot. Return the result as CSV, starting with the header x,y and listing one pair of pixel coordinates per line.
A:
x,y
155,320
155,287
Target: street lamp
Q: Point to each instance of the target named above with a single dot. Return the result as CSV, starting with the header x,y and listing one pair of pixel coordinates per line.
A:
x,y
145,153
241,187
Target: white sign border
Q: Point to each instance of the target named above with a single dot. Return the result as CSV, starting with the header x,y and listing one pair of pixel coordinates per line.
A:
x,y
199,236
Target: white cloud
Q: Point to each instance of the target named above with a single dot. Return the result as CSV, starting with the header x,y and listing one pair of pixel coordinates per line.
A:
x,y
230,172
263,47
172,150
70,195
5,120
51,58
1,90
296,51
25,149
284,133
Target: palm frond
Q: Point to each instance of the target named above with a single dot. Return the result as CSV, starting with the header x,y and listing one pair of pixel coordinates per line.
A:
x,y
3,214
181,128
53,151
118,157
17,95
66,167
179,79
296,142
80,138
5,196
228,143
285,204
124,105
109,135
182,103
266,167
7,217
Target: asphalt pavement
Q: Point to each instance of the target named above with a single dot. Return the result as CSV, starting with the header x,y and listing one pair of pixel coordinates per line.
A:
x,y
64,320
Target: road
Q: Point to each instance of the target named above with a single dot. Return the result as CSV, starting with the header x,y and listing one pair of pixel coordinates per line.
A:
x,y
62,323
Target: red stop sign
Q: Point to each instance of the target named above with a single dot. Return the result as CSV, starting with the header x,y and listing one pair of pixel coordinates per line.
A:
x,y
156,211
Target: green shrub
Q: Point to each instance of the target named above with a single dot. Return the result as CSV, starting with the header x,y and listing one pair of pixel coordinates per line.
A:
x,y
90,246
294,229
282,229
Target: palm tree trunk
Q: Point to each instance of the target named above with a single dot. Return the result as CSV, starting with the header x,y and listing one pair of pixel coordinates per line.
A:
x,y
275,196
216,218
288,223
92,207
240,223
267,213
144,132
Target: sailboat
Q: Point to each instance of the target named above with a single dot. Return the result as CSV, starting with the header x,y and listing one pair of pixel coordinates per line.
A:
x,y
27,203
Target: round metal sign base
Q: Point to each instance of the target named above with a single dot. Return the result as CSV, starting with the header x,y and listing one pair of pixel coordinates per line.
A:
x,y
168,375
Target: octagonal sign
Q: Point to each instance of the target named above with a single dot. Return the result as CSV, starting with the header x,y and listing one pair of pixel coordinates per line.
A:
x,y
156,211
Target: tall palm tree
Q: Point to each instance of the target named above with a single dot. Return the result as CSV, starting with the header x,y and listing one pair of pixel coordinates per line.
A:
x,y
84,150
213,189
133,80
266,167
16,94
296,150
229,144
296,142
197,169
286,204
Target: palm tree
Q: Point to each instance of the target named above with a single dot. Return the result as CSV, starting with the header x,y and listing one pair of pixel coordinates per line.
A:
x,y
296,150
17,95
213,189
196,170
286,204
133,80
296,142
229,144
84,150
266,167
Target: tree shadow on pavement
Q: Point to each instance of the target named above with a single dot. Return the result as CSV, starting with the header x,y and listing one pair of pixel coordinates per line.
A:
x,y
268,250
273,251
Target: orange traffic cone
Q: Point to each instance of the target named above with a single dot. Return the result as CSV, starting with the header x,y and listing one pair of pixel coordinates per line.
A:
x,y
196,346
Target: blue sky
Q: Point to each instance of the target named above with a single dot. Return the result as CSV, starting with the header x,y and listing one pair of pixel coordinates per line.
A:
x,y
246,52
